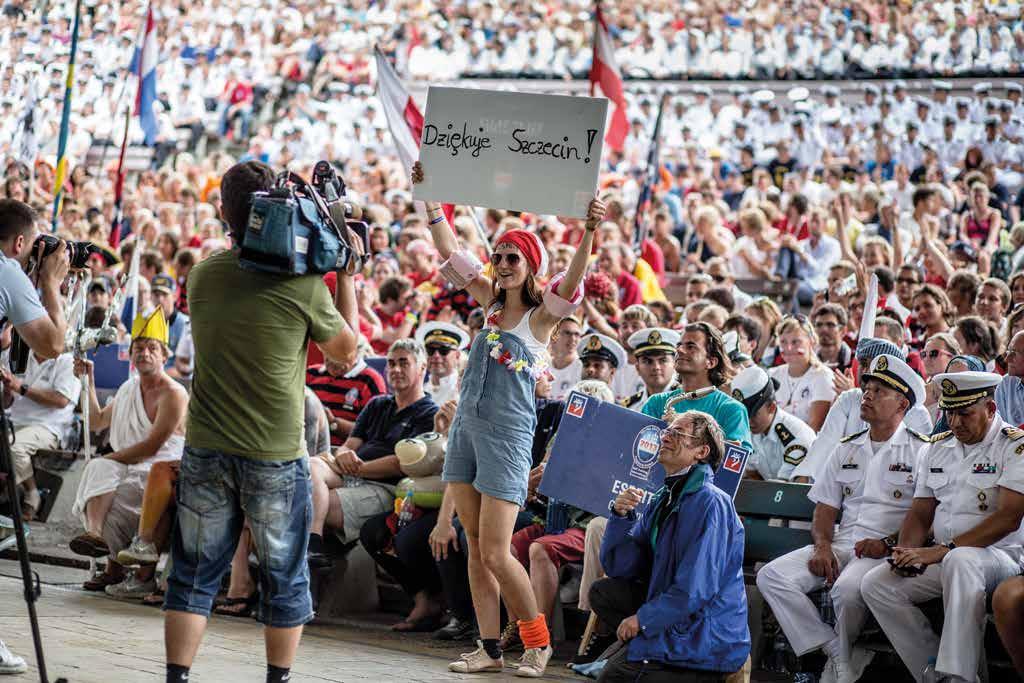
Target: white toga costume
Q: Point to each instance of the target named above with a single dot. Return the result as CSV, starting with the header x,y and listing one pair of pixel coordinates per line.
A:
x,y
129,425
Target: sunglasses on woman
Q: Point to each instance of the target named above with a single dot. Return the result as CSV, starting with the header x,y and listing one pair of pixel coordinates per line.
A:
x,y
934,353
511,259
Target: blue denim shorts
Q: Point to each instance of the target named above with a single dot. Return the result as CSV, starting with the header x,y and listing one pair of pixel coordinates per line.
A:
x,y
495,459
217,492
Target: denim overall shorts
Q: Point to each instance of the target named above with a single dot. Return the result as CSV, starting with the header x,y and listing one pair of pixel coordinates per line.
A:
x,y
490,443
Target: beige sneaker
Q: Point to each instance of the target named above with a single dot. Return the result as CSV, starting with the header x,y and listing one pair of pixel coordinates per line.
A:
x,y
477,661
534,661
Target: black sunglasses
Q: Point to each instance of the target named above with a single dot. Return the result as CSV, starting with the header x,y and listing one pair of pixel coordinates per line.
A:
x,y
510,258
442,351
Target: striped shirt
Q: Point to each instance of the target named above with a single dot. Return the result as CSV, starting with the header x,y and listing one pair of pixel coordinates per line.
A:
x,y
347,395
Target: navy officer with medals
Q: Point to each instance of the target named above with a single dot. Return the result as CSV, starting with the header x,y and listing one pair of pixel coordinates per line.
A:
x,y
655,351
781,440
869,478
969,493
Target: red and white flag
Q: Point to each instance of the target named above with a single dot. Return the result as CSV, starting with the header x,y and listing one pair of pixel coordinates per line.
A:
x,y
405,121
605,73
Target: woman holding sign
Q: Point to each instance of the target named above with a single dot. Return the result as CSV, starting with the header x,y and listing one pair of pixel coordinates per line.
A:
x,y
489,446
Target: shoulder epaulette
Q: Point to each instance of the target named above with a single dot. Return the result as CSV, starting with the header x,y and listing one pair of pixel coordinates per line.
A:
x,y
785,436
630,401
942,436
918,435
1013,433
851,437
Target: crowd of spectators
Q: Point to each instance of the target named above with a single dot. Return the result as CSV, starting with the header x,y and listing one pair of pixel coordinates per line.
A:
x,y
770,218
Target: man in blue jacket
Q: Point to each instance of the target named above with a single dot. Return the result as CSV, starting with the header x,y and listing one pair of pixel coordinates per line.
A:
x,y
675,585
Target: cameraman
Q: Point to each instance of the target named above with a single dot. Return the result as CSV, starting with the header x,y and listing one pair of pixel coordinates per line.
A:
x,y
38,317
244,452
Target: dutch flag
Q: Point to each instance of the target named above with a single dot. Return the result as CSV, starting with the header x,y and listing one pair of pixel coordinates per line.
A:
x,y
144,66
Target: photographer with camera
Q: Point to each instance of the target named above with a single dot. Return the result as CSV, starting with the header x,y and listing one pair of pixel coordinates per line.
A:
x,y
244,453
37,317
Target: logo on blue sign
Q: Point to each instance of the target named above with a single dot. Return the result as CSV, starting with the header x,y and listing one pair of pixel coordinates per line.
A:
x,y
645,452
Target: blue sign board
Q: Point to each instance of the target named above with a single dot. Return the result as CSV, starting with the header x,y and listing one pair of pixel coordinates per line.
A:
x,y
111,365
602,448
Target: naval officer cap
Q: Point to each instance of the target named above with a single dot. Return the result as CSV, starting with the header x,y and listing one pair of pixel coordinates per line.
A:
x,y
601,346
753,387
442,334
896,374
652,340
962,389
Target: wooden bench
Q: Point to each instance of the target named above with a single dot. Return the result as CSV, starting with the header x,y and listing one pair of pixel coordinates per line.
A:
x,y
779,291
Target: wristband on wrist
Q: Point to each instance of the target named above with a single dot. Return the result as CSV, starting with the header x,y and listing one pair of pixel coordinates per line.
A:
x,y
23,389
437,220
890,543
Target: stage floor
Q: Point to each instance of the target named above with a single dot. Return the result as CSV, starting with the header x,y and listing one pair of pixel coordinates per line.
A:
x,y
90,638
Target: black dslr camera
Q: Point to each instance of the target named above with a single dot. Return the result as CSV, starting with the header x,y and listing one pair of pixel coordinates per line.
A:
x,y
298,228
78,252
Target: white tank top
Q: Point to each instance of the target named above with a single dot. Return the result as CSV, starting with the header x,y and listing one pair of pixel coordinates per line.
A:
x,y
523,331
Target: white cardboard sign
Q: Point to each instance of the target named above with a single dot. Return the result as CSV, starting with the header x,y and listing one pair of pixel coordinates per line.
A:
x,y
510,150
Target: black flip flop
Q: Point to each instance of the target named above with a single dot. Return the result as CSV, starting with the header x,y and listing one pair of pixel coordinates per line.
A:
x,y
248,607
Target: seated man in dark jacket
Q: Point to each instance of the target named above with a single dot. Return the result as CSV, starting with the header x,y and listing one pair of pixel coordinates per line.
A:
x,y
675,586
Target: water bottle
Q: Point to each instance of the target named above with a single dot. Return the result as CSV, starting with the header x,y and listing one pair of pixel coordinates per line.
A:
x,y
405,513
930,675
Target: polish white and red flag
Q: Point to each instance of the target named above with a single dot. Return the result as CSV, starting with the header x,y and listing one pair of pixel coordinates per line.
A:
x,y
405,121
605,73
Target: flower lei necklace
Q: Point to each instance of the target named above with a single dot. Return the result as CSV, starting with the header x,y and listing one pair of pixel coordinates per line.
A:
x,y
503,356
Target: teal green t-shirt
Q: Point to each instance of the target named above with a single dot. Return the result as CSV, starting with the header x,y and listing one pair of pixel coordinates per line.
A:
x,y
250,332
730,413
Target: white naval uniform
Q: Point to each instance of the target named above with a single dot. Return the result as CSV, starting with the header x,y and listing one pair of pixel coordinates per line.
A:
x,y
965,481
636,401
844,418
873,491
783,447
626,382
445,390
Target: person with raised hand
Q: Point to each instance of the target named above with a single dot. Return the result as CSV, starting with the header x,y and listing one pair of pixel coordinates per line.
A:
x,y
489,446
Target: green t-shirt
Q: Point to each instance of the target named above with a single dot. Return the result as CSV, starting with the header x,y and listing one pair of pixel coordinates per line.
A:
x,y
251,331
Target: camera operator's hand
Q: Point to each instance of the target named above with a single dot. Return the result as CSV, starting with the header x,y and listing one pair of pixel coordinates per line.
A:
x,y
82,367
347,461
53,268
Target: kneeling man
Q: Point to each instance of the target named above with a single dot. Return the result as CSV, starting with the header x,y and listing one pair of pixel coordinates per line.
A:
x,y
147,425
870,479
675,586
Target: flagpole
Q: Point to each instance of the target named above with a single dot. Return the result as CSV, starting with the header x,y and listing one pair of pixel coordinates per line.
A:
x,y
115,228
653,173
65,122
593,56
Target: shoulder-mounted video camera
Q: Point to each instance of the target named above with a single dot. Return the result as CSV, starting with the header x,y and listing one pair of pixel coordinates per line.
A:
x,y
298,228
